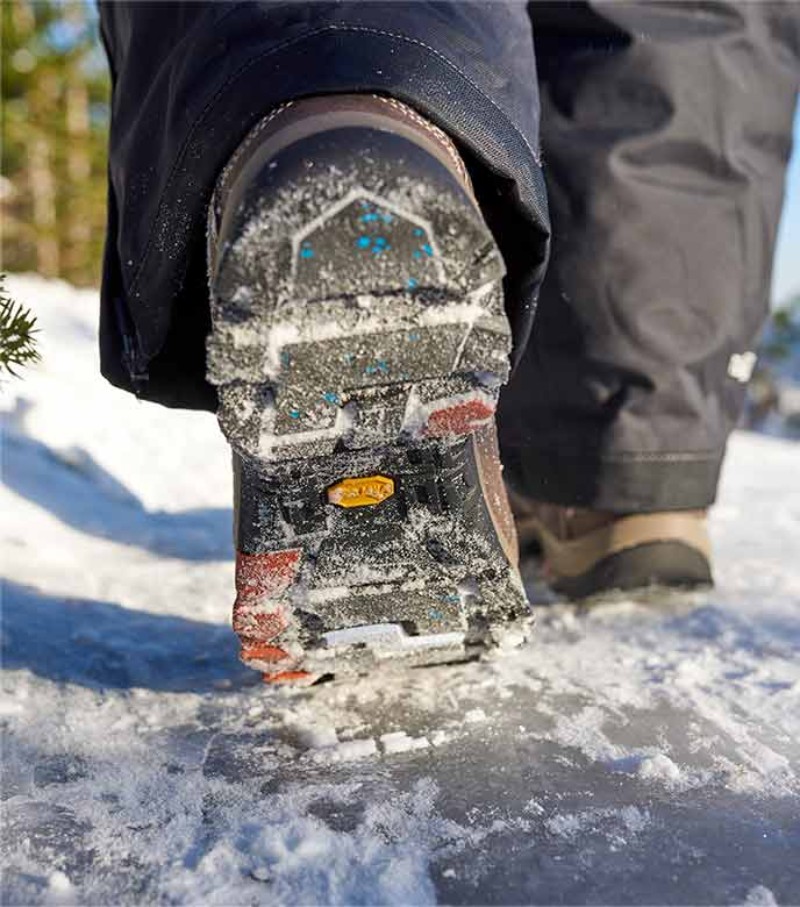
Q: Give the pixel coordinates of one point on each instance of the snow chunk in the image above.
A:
(8, 707)
(564, 826)
(651, 766)
(474, 716)
(760, 896)
(400, 742)
(659, 767)
(347, 751)
(60, 889)
(317, 737)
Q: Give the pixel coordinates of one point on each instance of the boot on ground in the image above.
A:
(587, 553)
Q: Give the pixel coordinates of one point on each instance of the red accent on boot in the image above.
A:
(460, 419)
(259, 578)
(266, 574)
(255, 651)
(290, 677)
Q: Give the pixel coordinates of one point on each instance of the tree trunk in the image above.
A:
(41, 181)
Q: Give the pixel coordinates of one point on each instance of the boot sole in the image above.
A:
(359, 342)
(651, 572)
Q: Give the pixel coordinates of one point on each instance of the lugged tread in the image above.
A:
(359, 331)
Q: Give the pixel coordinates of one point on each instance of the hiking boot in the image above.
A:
(358, 345)
(588, 553)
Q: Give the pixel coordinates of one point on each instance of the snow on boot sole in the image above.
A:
(359, 343)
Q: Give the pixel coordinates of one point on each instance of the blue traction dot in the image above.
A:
(379, 366)
(331, 397)
(416, 253)
(412, 283)
(363, 242)
(306, 253)
(419, 232)
(295, 413)
(427, 249)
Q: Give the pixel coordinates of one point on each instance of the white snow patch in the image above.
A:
(629, 820)
(474, 716)
(347, 751)
(760, 896)
(60, 889)
(566, 826)
(318, 737)
(400, 742)
(658, 767)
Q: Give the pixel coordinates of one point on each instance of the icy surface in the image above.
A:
(630, 754)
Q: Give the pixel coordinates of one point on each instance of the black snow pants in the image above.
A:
(662, 131)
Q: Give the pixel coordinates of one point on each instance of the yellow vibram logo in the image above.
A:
(363, 492)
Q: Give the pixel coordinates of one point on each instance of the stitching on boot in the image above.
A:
(438, 134)
(224, 177)
(442, 138)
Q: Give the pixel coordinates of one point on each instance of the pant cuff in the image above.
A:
(632, 483)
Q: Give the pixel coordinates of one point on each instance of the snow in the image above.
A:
(638, 752)
(400, 742)
(759, 895)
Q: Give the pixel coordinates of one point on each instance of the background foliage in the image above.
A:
(55, 114)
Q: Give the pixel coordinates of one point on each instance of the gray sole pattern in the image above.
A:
(359, 336)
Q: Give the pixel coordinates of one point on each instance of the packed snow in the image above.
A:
(639, 752)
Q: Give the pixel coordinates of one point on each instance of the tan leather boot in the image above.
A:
(589, 552)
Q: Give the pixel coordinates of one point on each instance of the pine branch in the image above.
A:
(17, 334)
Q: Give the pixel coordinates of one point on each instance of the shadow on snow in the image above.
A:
(81, 493)
(103, 645)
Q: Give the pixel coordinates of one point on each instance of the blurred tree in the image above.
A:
(55, 91)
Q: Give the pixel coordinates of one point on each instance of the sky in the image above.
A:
(786, 276)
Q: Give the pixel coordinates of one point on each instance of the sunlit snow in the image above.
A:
(638, 752)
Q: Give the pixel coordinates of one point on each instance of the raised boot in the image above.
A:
(359, 343)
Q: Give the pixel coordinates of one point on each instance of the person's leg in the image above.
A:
(358, 334)
(666, 129)
(190, 79)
